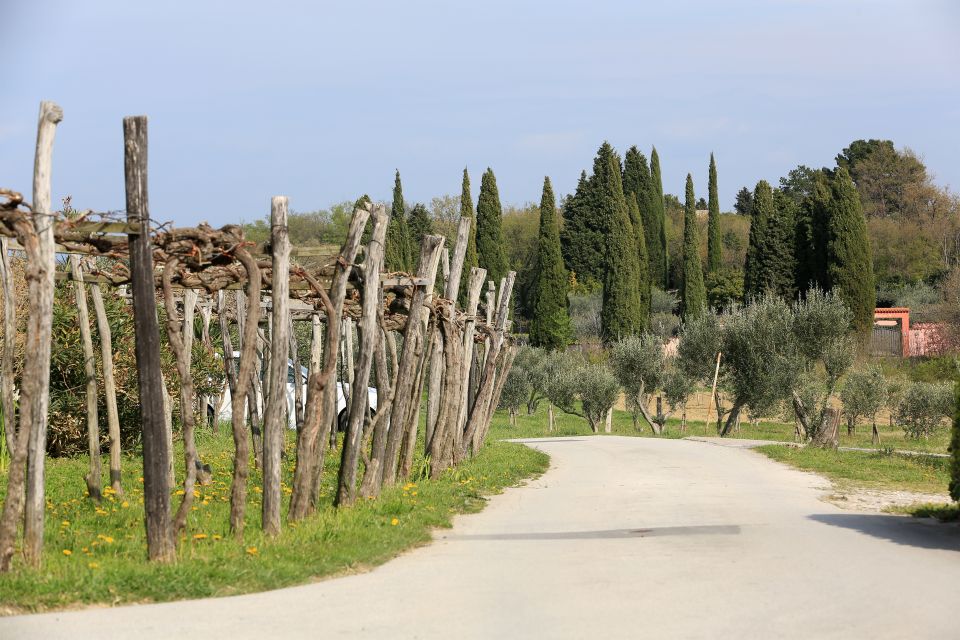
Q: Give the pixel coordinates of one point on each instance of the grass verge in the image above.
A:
(872, 470)
(96, 553)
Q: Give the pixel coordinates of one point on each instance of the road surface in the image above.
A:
(621, 538)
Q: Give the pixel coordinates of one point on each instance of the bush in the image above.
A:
(923, 406)
(863, 394)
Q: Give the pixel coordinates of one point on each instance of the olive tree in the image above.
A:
(923, 406)
(863, 394)
(516, 390)
(701, 339)
(533, 361)
(677, 389)
(581, 389)
(637, 364)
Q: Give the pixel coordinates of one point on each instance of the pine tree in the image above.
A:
(850, 265)
(397, 253)
(419, 225)
(470, 260)
(550, 321)
(659, 260)
(753, 285)
(491, 254)
(693, 294)
(643, 260)
(582, 238)
(714, 249)
(744, 203)
(620, 313)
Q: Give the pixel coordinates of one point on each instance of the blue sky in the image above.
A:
(321, 101)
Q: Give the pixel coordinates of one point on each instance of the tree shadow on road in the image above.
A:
(915, 532)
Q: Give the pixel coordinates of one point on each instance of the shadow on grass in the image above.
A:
(912, 532)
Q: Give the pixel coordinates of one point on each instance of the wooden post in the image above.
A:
(405, 401)
(608, 424)
(156, 488)
(713, 393)
(474, 288)
(109, 386)
(274, 423)
(297, 376)
(90, 372)
(358, 407)
(321, 388)
(316, 342)
(9, 346)
(34, 392)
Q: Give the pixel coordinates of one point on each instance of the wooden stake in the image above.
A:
(109, 386)
(90, 372)
(156, 487)
(274, 423)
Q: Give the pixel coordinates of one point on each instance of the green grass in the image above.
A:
(942, 512)
(535, 426)
(872, 470)
(106, 544)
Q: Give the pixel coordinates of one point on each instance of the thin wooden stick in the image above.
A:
(109, 386)
(93, 480)
(713, 393)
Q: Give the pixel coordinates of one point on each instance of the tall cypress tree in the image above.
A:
(419, 224)
(620, 313)
(397, 248)
(753, 284)
(693, 294)
(714, 249)
(643, 260)
(490, 250)
(550, 321)
(659, 260)
(582, 237)
(779, 265)
(813, 235)
(848, 251)
(470, 259)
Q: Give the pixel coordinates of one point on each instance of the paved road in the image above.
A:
(622, 538)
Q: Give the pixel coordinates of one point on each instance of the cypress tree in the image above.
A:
(419, 225)
(582, 235)
(779, 265)
(753, 285)
(643, 260)
(812, 236)
(470, 260)
(397, 248)
(637, 180)
(620, 314)
(693, 294)
(490, 250)
(848, 252)
(659, 260)
(550, 321)
(714, 250)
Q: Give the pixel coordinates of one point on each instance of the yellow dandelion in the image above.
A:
(65, 523)
(217, 536)
(252, 551)
(85, 550)
(413, 493)
(124, 504)
(395, 522)
(196, 494)
(178, 492)
(199, 536)
(140, 480)
(107, 539)
(67, 552)
(93, 565)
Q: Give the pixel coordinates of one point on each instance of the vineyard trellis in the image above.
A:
(410, 340)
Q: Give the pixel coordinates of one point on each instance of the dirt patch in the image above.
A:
(880, 500)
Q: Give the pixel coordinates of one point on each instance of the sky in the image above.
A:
(322, 101)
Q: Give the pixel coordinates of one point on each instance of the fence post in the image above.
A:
(156, 487)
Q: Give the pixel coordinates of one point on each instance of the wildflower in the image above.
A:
(199, 536)
(93, 565)
(107, 539)
(140, 480)
(124, 504)
(67, 552)
(196, 494)
(178, 492)
(394, 522)
(217, 536)
(252, 551)
(413, 493)
(65, 523)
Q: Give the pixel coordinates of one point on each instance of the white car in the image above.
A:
(225, 410)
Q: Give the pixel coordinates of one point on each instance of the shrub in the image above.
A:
(923, 406)
(863, 395)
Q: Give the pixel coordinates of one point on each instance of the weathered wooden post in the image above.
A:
(358, 407)
(474, 288)
(90, 372)
(156, 488)
(9, 346)
(109, 386)
(274, 423)
(34, 392)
